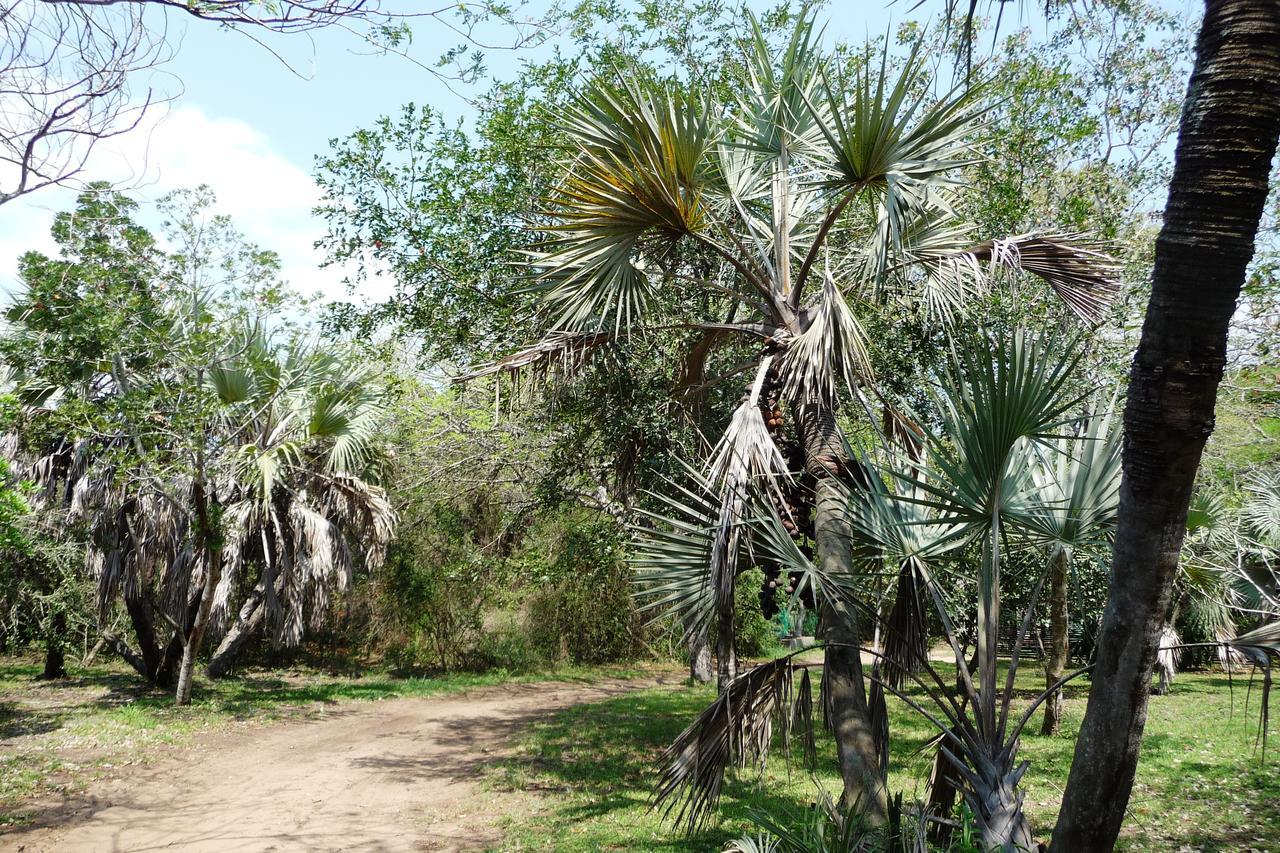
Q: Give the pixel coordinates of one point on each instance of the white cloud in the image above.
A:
(269, 198)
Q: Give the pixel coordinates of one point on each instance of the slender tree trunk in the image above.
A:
(1055, 664)
(726, 647)
(211, 545)
(1227, 139)
(248, 622)
(55, 659)
(848, 712)
(213, 572)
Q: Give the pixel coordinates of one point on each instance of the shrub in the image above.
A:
(585, 613)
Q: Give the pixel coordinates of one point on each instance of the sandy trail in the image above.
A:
(392, 775)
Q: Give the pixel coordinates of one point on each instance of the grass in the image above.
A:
(58, 737)
(589, 770)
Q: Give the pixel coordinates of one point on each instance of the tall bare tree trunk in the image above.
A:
(849, 714)
(211, 546)
(1230, 124)
(1055, 664)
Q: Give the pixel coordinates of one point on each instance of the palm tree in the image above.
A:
(274, 482)
(298, 498)
(1002, 404)
(1079, 483)
(813, 192)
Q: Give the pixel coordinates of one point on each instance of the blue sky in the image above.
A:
(250, 125)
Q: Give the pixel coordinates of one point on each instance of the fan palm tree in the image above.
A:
(1078, 479)
(278, 486)
(815, 191)
(1002, 403)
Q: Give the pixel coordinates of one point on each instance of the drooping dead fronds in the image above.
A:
(561, 352)
(733, 731)
(1167, 657)
(830, 353)
(1077, 268)
(746, 455)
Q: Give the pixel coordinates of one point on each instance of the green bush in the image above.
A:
(757, 637)
(432, 597)
(585, 614)
(508, 647)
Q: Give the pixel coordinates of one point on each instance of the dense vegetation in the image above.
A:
(707, 336)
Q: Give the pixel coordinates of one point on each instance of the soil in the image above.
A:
(392, 775)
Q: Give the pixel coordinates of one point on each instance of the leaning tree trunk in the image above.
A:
(848, 713)
(1055, 664)
(1227, 139)
(248, 622)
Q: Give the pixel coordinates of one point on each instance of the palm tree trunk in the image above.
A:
(848, 713)
(700, 658)
(1055, 664)
(148, 658)
(726, 648)
(1230, 124)
(248, 621)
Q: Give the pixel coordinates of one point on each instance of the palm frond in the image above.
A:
(831, 352)
(640, 164)
(736, 729)
(1076, 267)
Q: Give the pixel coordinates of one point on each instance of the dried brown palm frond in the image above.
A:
(745, 455)
(1167, 657)
(735, 730)
(561, 352)
(906, 638)
(1075, 266)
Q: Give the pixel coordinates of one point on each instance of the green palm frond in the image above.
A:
(773, 108)
(671, 556)
(1261, 510)
(1077, 484)
(637, 182)
(997, 399)
(885, 135)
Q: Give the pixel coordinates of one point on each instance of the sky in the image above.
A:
(248, 119)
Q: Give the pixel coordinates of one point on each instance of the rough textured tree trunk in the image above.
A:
(1055, 664)
(1226, 142)
(248, 623)
(148, 657)
(848, 712)
(55, 658)
(700, 658)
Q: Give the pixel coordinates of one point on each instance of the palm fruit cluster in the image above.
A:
(790, 500)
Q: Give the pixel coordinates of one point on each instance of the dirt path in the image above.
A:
(392, 775)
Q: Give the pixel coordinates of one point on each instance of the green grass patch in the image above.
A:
(589, 772)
